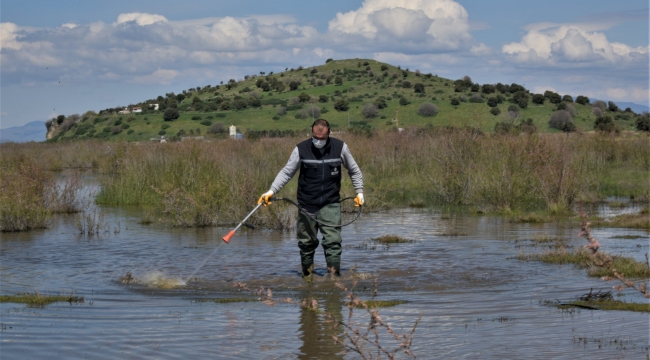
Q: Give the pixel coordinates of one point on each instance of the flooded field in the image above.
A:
(460, 277)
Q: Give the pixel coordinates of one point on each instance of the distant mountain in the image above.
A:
(637, 108)
(32, 131)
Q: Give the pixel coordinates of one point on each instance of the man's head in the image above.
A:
(320, 129)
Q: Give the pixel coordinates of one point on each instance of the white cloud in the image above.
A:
(420, 25)
(634, 94)
(9, 36)
(141, 19)
(69, 25)
(552, 44)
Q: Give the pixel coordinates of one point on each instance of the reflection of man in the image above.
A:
(317, 331)
(319, 160)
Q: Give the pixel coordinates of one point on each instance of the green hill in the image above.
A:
(283, 103)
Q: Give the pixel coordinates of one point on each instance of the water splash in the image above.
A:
(158, 280)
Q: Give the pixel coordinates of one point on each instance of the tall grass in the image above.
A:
(218, 182)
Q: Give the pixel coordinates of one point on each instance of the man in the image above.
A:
(319, 160)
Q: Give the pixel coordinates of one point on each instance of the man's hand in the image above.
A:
(358, 201)
(265, 198)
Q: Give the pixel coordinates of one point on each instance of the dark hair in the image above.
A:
(323, 123)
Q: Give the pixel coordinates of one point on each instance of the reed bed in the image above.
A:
(199, 183)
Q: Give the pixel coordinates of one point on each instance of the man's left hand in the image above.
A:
(358, 201)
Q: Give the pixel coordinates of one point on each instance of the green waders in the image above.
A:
(308, 237)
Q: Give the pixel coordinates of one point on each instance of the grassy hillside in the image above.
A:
(361, 82)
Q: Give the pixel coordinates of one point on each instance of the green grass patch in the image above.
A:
(640, 220)
(384, 303)
(583, 259)
(631, 237)
(228, 300)
(608, 305)
(392, 239)
(38, 300)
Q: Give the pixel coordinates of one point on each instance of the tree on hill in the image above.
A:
(643, 122)
(538, 99)
(304, 97)
(171, 114)
(380, 102)
(612, 106)
(341, 105)
(488, 89)
(427, 109)
(567, 98)
(521, 98)
(562, 120)
(605, 124)
(582, 100)
(418, 88)
(553, 97)
(293, 85)
(370, 111)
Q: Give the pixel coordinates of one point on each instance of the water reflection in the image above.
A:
(317, 330)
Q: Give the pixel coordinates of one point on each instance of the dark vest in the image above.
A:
(319, 182)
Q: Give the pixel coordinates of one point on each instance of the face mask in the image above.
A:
(318, 143)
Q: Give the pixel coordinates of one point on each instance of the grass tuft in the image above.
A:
(38, 300)
(392, 239)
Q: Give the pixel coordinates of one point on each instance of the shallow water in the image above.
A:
(475, 299)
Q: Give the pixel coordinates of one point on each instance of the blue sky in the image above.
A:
(66, 57)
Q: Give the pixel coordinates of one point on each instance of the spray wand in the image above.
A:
(243, 222)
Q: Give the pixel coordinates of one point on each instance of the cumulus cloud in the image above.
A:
(412, 25)
(141, 19)
(552, 44)
(160, 76)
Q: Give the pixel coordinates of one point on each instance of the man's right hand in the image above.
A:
(265, 198)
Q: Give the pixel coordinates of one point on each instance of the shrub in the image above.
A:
(338, 80)
(125, 126)
(476, 98)
(217, 128)
(240, 104)
(131, 131)
(206, 122)
(302, 114)
(196, 117)
(328, 60)
(562, 120)
(171, 114)
(561, 106)
(521, 98)
(538, 99)
(495, 111)
(597, 111)
(282, 110)
(488, 89)
(643, 122)
(380, 102)
(475, 87)
(162, 132)
(225, 105)
(116, 130)
(164, 126)
(527, 126)
(600, 104)
(612, 106)
(553, 97)
(418, 88)
(493, 101)
(313, 111)
(427, 109)
(370, 111)
(567, 98)
(503, 128)
(455, 101)
(404, 101)
(582, 100)
(341, 105)
(605, 124)
(406, 84)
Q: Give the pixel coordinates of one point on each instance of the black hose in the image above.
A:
(318, 221)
